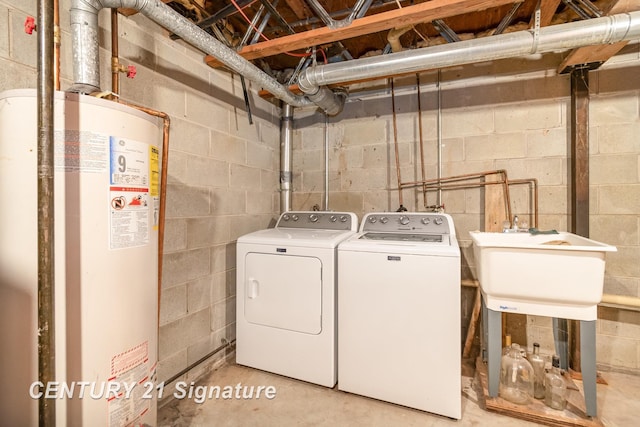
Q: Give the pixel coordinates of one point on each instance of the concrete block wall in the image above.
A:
(501, 115)
(222, 172)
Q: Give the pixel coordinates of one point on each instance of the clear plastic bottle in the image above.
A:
(555, 395)
(537, 362)
(516, 377)
(507, 344)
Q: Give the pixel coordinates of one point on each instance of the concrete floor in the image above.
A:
(297, 403)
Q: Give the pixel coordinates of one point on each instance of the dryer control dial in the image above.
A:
(343, 218)
(313, 218)
(295, 217)
(404, 220)
(286, 217)
(384, 220)
(373, 219)
(438, 221)
(333, 218)
(425, 221)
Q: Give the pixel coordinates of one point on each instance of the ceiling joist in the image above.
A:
(411, 15)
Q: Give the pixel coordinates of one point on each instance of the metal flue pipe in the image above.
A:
(286, 160)
(605, 30)
(86, 66)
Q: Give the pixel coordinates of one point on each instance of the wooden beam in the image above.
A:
(411, 15)
(547, 10)
(599, 53)
(580, 152)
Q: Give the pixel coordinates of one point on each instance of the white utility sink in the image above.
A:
(558, 275)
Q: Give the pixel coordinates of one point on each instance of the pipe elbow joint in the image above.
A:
(307, 84)
(332, 102)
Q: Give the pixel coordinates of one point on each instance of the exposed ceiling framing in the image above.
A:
(282, 37)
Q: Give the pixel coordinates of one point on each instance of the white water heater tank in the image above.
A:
(107, 198)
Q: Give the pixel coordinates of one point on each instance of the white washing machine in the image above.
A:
(286, 295)
(399, 312)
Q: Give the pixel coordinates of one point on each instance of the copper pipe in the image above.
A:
(532, 181)
(115, 72)
(395, 142)
(115, 89)
(457, 177)
(163, 183)
(437, 184)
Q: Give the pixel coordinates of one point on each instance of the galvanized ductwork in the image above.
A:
(86, 66)
(605, 30)
(313, 81)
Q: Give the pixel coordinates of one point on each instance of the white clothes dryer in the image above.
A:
(399, 312)
(286, 295)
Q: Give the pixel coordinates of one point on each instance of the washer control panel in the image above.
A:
(416, 222)
(318, 220)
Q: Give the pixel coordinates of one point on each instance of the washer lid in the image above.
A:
(297, 237)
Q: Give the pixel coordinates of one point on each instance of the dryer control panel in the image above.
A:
(415, 222)
(320, 220)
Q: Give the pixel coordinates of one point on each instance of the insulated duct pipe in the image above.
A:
(286, 164)
(605, 30)
(86, 66)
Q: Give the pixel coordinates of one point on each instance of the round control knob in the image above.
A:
(404, 220)
(295, 217)
(373, 219)
(333, 218)
(286, 217)
(384, 220)
(343, 218)
(438, 221)
(313, 218)
(425, 221)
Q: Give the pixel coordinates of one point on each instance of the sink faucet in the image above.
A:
(508, 228)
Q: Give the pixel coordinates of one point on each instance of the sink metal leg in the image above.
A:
(561, 340)
(485, 328)
(494, 349)
(588, 365)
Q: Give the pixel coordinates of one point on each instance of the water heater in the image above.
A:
(106, 213)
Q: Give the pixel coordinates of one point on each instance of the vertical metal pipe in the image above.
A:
(424, 187)
(46, 270)
(439, 89)
(286, 136)
(395, 143)
(326, 162)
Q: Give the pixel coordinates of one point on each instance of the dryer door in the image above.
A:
(283, 291)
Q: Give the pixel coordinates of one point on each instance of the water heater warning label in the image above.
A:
(130, 211)
(80, 151)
